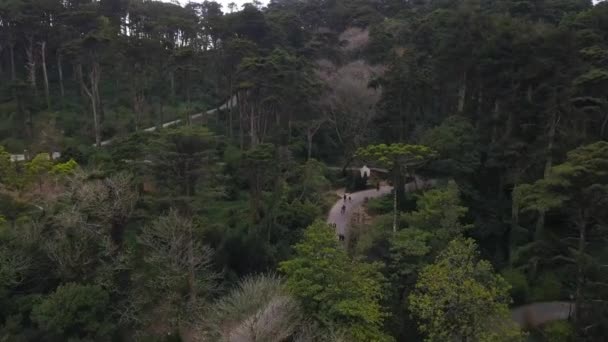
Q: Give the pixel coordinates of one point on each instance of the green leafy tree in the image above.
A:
(275, 88)
(75, 310)
(460, 298)
(183, 160)
(407, 248)
(457, 146)
(39, 167)
(400, 160)
(336, 291)
(312, 182)
(8, 174)
(63, 169)
(260, 167)
(578, 188)
(439, 212)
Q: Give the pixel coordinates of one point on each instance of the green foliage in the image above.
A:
(496, 93)
(579, 181)
(559, 331)
(334, 290)
(396, 156)
(578, 189)
(39, 167)
(183, 159)
(439, 211)
(460, 297)
(547, 287)
(379, 206)
(457, 145)
(400, 160)
(373, 237)
(519, 285)
(7, 169)
(74, 310)
(260, 168)
(66, 168)
(408, 247)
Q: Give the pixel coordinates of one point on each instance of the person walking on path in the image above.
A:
(343, 209)
(344, 197)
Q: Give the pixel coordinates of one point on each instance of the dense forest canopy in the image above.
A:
(167, 171)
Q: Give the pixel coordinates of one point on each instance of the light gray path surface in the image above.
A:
(538, 314)
(342, 221)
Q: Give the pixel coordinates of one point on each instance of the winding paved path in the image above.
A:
(229, 103)
(342, 221)
(357, 199)
(530, 315)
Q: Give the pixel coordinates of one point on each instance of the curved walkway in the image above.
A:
(530, 315)
(357, 199)
(538, 314)
(228, 104)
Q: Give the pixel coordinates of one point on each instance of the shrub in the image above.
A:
(519, 285)
(74, 309)
(379, 206)
(546, 288)
(559, 331)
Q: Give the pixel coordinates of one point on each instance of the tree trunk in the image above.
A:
(191, 268)
(138, 105)
(495, 117)
(462, 93)
(100, 111)
(241, 130)
(395, 186)
(540, 221)
(172, 83)
(402, 119)
(289, 127)
(159, 123)
(31, 65)
(44, 74)
(479, 102)
(230, 105)
(188, 105)
(95, 122)
(580, 260)
(60, 71)
(80, 78)
(252, 127)
(11, 51)
(93, 97)
(309, 136)
(603, 127)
